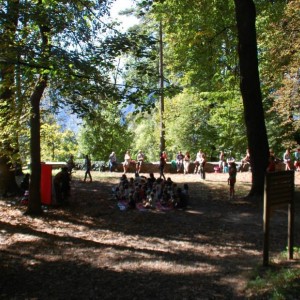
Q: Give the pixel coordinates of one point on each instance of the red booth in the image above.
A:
(46, 184)
(46, 180)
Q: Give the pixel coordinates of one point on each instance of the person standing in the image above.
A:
(287, 159)
(272, 161)
(139, 161)
(232, 179)
(221, 160)
(164, 153)
(271, 164)
(112, 161)
(162, 163)
(297, 160)
(186, 162)
(179, 161)
(245, 160)
(197, 162)
(202, 166)
(25, 183)
(61, 183)
(127, 161)
(88, 167)
(70, 164)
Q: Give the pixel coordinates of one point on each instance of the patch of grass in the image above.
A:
(296, 253)
(277, 282)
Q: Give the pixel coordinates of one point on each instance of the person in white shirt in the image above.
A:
(127, 161)
(139, 161)
(112, 161)
(197, 161)
(287, 159)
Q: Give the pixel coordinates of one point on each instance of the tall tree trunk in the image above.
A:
(34, 205)
(8, 142)
(251, 93)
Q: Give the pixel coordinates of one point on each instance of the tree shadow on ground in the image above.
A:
(90, 249)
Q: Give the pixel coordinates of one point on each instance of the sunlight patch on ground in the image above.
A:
(120, 252)
(194, 212)
(165, 267)
(22, 237)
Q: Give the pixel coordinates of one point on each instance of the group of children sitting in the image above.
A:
(151, 192)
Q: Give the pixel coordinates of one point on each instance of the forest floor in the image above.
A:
(91, 249)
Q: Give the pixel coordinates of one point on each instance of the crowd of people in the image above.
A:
(183, 162)
(161, 190)
(150, 192)
(224, 163)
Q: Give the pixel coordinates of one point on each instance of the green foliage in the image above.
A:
(145, 135)
(200, 53)
(70, 46)
(199, 44)
(57, 145)
(205, 121)
(57, 142)
(82, 49)
(201, 75)
(105, 132)
(279, 40)
(201, 41)
(187, 125)
(141, 72)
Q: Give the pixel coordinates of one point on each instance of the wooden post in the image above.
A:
(291, 230)
(266, 228)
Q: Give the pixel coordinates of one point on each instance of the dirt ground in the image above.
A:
(91, 249)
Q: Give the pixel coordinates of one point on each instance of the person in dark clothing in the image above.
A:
(182, 199)
(88, 167)
(70, 164)
(202, 166)
(162, 163)
(61, 184)
(179, 161)
(25, 183)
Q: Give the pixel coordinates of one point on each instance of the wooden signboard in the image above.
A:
(279, 192)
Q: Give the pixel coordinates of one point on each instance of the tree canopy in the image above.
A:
(72, 56)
